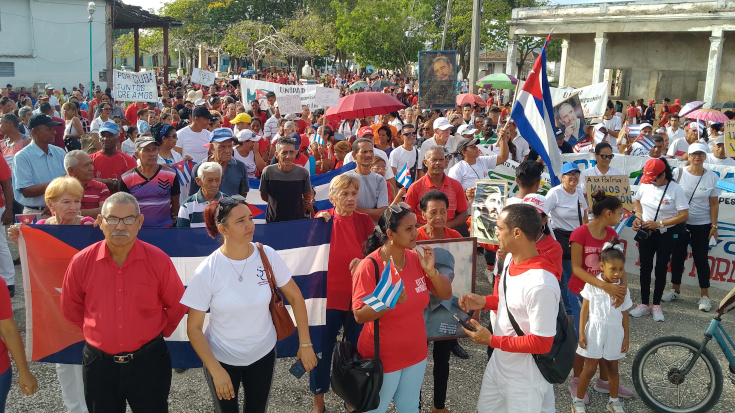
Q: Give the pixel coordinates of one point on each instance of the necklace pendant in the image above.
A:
(240, 278)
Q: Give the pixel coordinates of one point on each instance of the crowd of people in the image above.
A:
(79, 159)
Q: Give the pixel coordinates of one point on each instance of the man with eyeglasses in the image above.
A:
(109, 162)
(155, 186)
(286, 187)
(124, 295)
(407, 154)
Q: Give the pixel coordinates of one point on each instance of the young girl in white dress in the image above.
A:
(603, 328)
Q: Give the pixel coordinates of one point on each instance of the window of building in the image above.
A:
(7, 69)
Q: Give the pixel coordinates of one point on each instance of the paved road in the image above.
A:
(289, 395)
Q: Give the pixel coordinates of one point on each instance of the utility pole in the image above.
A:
(446, 22)
(475, 44)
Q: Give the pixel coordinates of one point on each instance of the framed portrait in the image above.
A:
(490, 195)
(569, 118)
(455, 259)
(438, 79)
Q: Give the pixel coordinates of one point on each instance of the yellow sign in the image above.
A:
(730, 138)
(615, 185)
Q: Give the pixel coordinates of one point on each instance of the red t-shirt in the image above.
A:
(448, 233)
(5, 174)
(591, 249)
(59, 138)
(350, 234)
(632, 112)
(111, 167)
(6, 312)
(402, 329)
(94, 193)
(451, 188)
(131, 113)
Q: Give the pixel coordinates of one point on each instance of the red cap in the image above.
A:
(651, 102)
(365, 130)
(652, 169)
(304, 141)
(677, 101)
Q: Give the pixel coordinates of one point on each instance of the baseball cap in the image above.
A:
(241, 117)
(270, 95)
(111, 127)
(296, 138)
(221, 135)
(144, 141)
(442, 123)
(201, 112)
(443, 261)
(247, 135)
(692, 126)
(42, 119)
(651, 102)
(200, 102)
(466, 130)
(569, 167)
(646, 125)
(48, 87)
(464, 143)
(652, 169)
(537, 201)
(365, 130)
(339, 137)
(213, 98)
(697, 147)
(719, 139)
(677, 101)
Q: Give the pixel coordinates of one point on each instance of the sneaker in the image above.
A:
(602, 386)
(658, 315)
(705, 304)
(615, 406)
(640, 311)
(670, 295)
(578, 406)
(573, 390)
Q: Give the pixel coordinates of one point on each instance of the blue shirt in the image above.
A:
(234, 180)
(32, 167)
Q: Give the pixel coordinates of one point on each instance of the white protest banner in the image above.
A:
(202, 77)
(257, 89)
(134, 86)
(593, 98)
(326, 97)
(289, 104)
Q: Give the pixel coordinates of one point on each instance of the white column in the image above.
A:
(713, 67)
(511, 65)
(598, 65)
(563, 63)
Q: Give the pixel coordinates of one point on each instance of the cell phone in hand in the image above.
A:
(464, 320)
(297, 369)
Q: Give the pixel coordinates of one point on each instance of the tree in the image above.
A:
(257, 41)
(150, 42)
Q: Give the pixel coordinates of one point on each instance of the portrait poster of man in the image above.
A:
(454, 259)
(570, 119)
(437, 79)
(489, 200)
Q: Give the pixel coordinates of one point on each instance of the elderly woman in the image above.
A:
(209, 177)
(239, 346)
(350, 230)
(64, 199)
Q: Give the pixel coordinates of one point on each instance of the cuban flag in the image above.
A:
(26, 218)
(404, 176)
(645, 141)
(51, 338)
(183, 171)
(387, 291)
(318, 139)
(534, 116)
(632, 130)
(599, 136)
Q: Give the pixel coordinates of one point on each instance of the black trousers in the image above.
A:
(698, 237)
(144, 382)
(442, 352)
(256, 382)
(660, 245)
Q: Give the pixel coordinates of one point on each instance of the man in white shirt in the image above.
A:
(367, 132)
(717, 156)
(473, 166)
(639, 148)
(193, 137)
(407, 154)
(612, 123)
(270, 129)
(373, 197)
(678, 148)
(673, 129)
(52, 99)
(442, 137)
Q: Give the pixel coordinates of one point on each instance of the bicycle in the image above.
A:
(679, 375)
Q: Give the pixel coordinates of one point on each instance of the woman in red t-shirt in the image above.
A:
(350, 230)
(403, 348)
(586, 245)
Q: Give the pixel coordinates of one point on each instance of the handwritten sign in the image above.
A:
(326, 97)
(134, 86)
(289, 104)
(730, 138)
(615, 185)
(202, 77)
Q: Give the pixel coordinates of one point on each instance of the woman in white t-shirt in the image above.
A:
(567, 210)
(702, 194)
(659, 205)
(603, 156)
(239, 343)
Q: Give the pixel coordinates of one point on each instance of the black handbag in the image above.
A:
(558, 362)
(354, 379)
(643, 233)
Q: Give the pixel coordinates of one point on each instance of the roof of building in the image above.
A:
(125, 16)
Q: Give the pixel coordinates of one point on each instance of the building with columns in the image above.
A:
(645, 49)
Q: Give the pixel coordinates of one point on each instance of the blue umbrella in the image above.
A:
(250, 72)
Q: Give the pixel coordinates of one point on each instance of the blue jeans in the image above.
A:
(319, 376)
(566, 274)
(576, 303)
(6, 379)
(403, 387)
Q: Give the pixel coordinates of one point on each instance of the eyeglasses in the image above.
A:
(573, 174)
(378, 168)
(394, 209)
(698, 154)
(127, 220)
(228, 201)
(608, 157)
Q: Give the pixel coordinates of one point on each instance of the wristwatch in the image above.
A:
(662, 223)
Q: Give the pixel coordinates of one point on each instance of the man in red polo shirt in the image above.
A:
(110, 163)
(80, 165)
(435, 178)
(131, 113)
(124, 294)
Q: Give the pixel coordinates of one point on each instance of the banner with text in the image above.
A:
(202, 77)
(593, 98)
(134, 86)
(257, 89)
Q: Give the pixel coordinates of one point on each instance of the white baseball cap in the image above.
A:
(442, 123)
(537, 201)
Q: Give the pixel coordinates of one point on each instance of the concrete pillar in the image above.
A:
(598, 65)
(563, 65)
(203, 58)
(511, 65)
(713, 67)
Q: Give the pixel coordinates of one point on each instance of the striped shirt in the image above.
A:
(94, 193)
(191, 213)
(154, 195)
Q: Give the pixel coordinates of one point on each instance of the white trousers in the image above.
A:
(72, 387)
(499, 396)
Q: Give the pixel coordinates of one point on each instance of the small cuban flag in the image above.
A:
(27, 219)
(599, 136)
(632, 130)
(387, 291)
(318, 139)
(645, 141)
(183, 171)
(404, 176)
(623, 221)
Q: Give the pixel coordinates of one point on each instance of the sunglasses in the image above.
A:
(608, 157)
(394, 209)
(229, 201)
(410, 135)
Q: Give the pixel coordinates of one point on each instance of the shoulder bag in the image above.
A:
(643, 233)
(557, 363)
(354, 379)
(563, 236)
(281, 318)
(681, 227)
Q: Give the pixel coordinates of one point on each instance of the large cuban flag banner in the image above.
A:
(46, 251)
(534, 116)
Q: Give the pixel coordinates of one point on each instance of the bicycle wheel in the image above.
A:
(661, 386)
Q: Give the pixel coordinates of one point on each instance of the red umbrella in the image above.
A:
(331, 112)
(709, 115)
(470, 98)
(364, 104)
